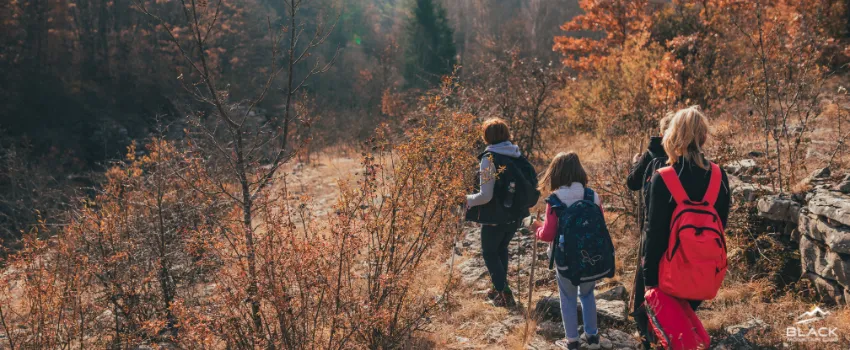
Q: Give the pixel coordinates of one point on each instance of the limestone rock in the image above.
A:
(746, 192)
(823, 262)
(551, 329)
(829, 290)
(612, 310)
(844, 185)
(743, 166)
(820, 174)
(834, 235)
(498, 331)
(779, 208)
(549, 309)
(744, 328)
(616, 293)
(735, 342)
(472, 270)
(539, 343)
(620, 339)
(831, 205)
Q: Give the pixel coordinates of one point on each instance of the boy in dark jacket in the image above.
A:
(644, 167)
(487, 208)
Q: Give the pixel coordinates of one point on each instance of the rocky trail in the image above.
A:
(546, 326)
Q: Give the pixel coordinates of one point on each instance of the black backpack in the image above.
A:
(514, 192)
(582, 249)
(517, 184)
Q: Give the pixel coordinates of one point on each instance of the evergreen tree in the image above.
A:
(430, 52)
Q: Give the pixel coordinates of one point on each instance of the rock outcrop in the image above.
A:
(779, 208)
(824, 227)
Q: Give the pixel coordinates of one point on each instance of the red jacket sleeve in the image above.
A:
(547, 232)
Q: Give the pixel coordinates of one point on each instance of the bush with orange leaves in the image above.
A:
(154, 259)
(404, 213)
(112, 275)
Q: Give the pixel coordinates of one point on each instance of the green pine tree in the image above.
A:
(430, 51)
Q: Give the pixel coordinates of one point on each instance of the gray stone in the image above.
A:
(831, 205)
(612, 310)
(820, 174)
(844, 185)
(551, 329)
(778, 208)
(735, 342)
(620, 339)
(755, 324)
(549, 309)
(744, 191)
(827, 289)
(834, 235)
(472, 270)
(820, 260)
(743, 166)
(496, 332)
(539, 343)
(472, 239)
(616, 293)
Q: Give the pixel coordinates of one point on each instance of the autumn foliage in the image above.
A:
(155, 259)
(197, 241)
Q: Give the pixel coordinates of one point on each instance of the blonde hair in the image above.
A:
(686, 135)
(562, 171)
(664, 123)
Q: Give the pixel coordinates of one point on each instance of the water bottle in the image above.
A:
(561, 245)
(509, 201)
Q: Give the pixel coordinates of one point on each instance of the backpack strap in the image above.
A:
(554, 201)
(671, 179)
(713, 185)
(589, 195)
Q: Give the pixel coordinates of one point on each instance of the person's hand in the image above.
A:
(636, 158)
(536, 225)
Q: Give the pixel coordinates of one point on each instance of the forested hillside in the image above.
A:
(288, 174)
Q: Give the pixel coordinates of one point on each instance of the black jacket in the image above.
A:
(641, 170)
(661, 206)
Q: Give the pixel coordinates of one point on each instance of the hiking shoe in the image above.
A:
(565, 344)
(492, 293)
(504, 299)
(592, 341)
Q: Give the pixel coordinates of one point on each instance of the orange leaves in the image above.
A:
(617, 19)
(664, 79)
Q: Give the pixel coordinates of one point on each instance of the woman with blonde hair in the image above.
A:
(684, 142)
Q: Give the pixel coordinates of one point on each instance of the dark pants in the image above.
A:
(494, 248)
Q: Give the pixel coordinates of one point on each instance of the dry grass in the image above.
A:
(464, 324)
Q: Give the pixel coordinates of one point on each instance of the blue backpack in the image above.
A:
(582, 250)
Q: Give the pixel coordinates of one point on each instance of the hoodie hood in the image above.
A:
(655, 147)
(570, 194)
(505, 148)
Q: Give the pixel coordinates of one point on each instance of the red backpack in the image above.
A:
(694, 265)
